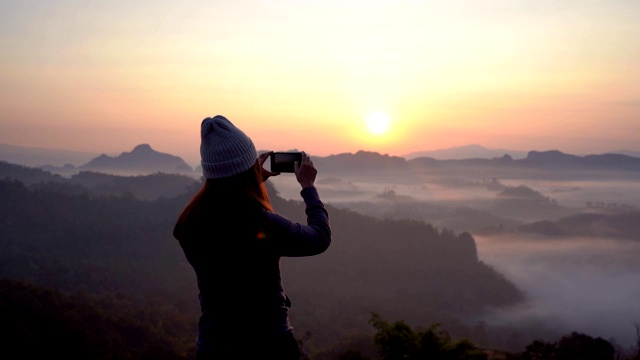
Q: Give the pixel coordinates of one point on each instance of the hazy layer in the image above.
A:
(591, 285)
(585, 285)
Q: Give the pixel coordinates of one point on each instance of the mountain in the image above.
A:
(472, 151)
(28, 175)
(362, 162)
(537, 165)
(30, 156)
(626, 152)
(398, 268)
(142, 159)
(143, 187)
(453, 161)
(551, 164)
(557, 159)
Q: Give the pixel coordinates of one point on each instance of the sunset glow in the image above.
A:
(106, 76)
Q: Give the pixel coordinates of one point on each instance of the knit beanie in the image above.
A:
(224, 149)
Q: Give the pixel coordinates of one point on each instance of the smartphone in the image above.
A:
(283, 161)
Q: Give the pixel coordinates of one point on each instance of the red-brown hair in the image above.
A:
(242, 193)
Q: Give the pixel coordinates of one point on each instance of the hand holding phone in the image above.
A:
(305, 171)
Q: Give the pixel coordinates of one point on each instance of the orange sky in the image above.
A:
(525, 75)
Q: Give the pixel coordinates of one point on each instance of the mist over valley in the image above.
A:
(567, 233)
(501, 250)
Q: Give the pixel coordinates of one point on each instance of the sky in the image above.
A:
(105, 76)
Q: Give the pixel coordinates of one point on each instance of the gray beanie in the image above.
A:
(224, 149)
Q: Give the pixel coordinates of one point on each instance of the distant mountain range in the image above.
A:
(475, 151)
(472, 151)
(558, 162)
(30, 156)
(626, 152)
(555, 159)
(143, 159)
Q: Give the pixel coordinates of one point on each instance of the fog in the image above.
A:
(456, 190)
(574, 193)
(585, 284)
(339, 190)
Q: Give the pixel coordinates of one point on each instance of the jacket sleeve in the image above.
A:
(295, 239)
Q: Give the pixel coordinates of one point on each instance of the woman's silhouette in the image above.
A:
(234, 240)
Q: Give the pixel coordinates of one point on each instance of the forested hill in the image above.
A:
(121, 244)
(43, 323)
(144, 187)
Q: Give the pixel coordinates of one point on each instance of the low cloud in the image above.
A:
(585, 285)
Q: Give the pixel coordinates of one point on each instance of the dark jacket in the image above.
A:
(237, 265)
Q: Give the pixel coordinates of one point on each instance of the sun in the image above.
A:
(378, 123)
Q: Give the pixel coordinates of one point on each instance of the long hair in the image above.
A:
(243, 194)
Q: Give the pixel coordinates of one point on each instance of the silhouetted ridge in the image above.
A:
(143, 187)
(550, 157)
(556, 158)
(471, 151)
(142, 148)
(558, 163)
(27, 175)
(362, 161)
(141, 159)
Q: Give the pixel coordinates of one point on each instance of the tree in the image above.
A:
(575, 346)
(398, 341)
(539, 350)
(395, 341)
(578, 346)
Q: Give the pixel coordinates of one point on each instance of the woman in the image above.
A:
(234, 241)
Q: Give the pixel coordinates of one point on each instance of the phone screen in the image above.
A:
(283, 161)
